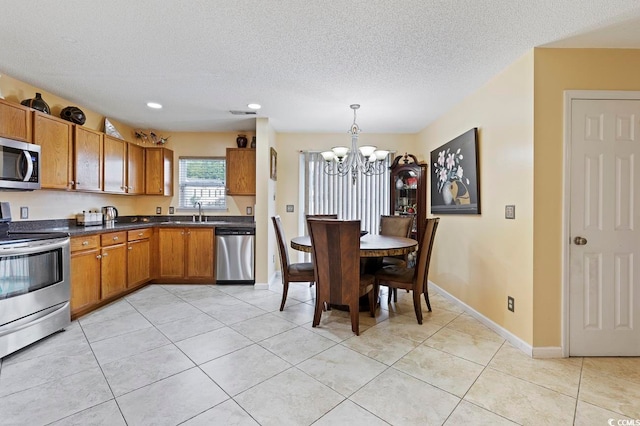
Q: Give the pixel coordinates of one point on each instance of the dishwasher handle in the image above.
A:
(235, 231)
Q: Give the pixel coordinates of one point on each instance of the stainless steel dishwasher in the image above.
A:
(235, 253)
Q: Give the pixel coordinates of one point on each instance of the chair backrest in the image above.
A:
(396, 226)
(336, 257)
(424, 252)
(282, 247)
(319, 216)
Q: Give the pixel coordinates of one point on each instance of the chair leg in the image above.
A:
(417, 307)
(372, 303)
(395, 295)
(426, 298)
(354, 310)
(285, 290)
(317, 312)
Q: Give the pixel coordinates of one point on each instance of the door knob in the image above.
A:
(580, 241)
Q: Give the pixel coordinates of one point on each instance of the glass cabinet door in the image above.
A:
(407, 190)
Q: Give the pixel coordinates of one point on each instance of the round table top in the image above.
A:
(370, 245)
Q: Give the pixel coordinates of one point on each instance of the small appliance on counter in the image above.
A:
(89, 219)
(109, 214)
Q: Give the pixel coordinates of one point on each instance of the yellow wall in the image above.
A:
(51, 204)
(482, 259)
(289, 146)
(557, 70)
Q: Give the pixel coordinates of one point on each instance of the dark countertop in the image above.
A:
(131, 222)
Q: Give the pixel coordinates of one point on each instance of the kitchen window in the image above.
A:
(202, 179)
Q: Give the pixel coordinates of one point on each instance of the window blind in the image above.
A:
(366, 200)
(202, 180)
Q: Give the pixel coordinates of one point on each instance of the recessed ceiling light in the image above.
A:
(154, 105)
(254, 106)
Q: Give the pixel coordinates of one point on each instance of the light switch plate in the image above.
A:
(158, 210)
(24, 212)
(249, 211)
(289, 208)
(171, 210)
(510, 212)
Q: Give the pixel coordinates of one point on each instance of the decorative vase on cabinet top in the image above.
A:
(241, 140)
(37, 103)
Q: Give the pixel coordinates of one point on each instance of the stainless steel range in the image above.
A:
(34, 285)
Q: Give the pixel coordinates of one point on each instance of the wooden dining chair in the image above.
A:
(291, 272)
(416, 278)
(396, 226)
(319, 216)
(336, 258)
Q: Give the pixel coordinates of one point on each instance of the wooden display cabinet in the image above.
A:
(408, 190)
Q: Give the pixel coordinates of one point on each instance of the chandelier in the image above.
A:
(367, 159)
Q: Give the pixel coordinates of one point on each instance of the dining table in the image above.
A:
(371, 245)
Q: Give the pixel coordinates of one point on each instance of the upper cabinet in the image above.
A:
(15, 121)
(135, 169)
(55, 137)
(241, 171)
(158, 171)
(115, 160)
(88, 158)
(408, 190)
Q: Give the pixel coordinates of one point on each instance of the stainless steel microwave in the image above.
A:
(19, 165)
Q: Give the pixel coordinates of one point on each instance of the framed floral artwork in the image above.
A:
(274, 164)
(455, 186)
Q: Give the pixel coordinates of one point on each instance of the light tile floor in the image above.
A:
(225, 355)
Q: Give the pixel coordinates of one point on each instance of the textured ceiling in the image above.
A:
(405, 61)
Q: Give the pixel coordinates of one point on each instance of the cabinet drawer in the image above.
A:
(139, 234)
(113, 238)
(85, 243)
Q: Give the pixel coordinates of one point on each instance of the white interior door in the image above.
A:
(604, 300)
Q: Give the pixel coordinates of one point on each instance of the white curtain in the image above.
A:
(366, 200)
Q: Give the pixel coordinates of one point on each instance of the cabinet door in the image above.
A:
(85, 279)
(55, 138)
(113, 270)
(88, 148)
(241, 171)
(199, 258)
(172, 252)
(135, 169)
(138, 264)
(114, 165)
(158, 171)
(15, 121)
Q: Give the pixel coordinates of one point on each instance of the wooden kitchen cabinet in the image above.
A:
(55, 137)
(15, 121)
(186, 254)
(241, 171)
(113, 269)
(139, 256)
(199, 260)
(158, 171)
(114, 163)
(85, 273)
(135, 169)
(88, 159)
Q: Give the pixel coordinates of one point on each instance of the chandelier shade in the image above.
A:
(367, 160)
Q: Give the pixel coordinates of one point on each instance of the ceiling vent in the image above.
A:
(235, 112)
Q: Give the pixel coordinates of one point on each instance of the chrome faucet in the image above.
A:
(199, 204)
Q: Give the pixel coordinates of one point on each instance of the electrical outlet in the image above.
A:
(158, 210)
(24, 212)
(171, 210)
(289, 208)
(249, 210)
(510, 212)
(510, 304)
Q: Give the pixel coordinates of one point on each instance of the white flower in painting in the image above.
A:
(459, 172)
(441, 158)
(448, 168)
(443, 174)
(451, 161)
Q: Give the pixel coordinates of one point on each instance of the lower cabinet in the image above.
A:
(186, 254)
(107, 265)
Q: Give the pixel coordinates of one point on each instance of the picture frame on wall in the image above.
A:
(273, 164)
(455, 186)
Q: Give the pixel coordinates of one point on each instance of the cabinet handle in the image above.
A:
(182, 233)
(98, 257)
(115, 238)
(78, 183)
(85, 243)
(140, 234)
(72, 183)
(130, 248)
(105, 254)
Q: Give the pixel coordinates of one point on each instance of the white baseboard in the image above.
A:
(543, 352)
(261, 286)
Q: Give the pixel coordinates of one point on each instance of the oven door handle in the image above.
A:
(26, 156)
